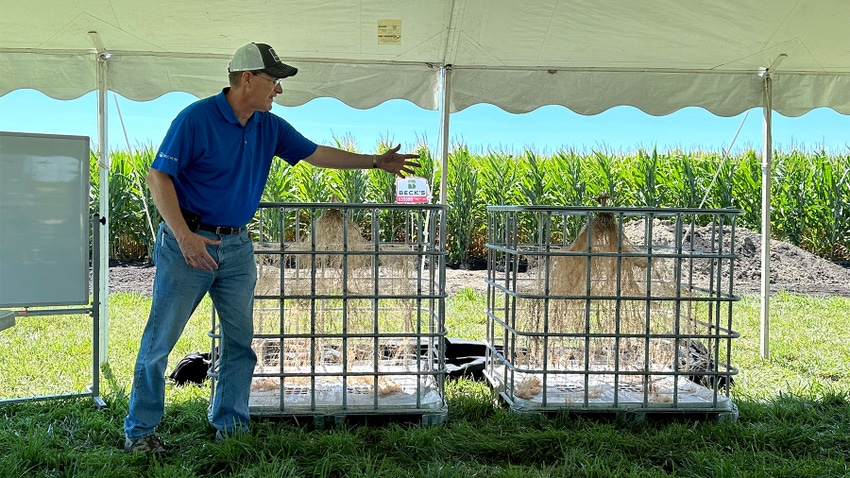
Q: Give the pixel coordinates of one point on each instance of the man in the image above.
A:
(207, 180)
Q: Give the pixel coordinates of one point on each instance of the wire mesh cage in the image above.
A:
(611, 309)
(349, 310)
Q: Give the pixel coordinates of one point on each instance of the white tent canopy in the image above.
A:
(658, 56)
(519, 55)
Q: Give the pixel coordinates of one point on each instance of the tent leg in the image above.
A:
(767, 159)
(103, 170)
(444, 133)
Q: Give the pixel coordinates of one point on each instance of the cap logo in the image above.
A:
(274, 55)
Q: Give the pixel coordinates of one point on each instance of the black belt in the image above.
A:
(221, 229)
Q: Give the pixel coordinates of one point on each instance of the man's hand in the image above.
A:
(398, 164)
(193, 246)
(194, 249)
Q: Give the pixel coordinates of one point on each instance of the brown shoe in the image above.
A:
(148, 444)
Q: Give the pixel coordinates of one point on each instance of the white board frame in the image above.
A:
(44, 219)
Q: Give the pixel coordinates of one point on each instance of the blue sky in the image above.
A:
(481, 127)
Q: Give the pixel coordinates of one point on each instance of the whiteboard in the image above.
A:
(44, 219)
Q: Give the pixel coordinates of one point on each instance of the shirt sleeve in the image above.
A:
(292, 146)
(177, 146)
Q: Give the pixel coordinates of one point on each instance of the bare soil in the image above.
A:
(792, 270)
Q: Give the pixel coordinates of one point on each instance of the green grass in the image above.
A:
(794, 413)
(809, 346)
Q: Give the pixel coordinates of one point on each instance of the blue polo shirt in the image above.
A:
(220, 167)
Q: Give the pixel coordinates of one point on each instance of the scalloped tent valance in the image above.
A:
(658, 56)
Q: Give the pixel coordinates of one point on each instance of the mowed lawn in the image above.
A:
(794, 415)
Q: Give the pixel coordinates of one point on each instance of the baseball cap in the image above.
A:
(260, 56)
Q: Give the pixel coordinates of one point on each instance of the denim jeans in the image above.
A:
(177, 290)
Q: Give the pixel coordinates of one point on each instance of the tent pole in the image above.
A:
(103, 170)
(447, 75)
(767, 158)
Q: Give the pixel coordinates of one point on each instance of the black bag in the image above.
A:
(191, 368)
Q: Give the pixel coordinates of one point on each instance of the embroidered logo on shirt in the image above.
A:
(165, 156)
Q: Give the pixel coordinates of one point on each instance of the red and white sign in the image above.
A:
(412, 189)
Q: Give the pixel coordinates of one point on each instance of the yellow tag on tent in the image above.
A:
(411, 190)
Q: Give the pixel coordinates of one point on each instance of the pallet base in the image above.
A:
(729, 414)
(568, 396)
(326, 420)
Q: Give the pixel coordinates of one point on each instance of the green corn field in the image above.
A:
(810, 191)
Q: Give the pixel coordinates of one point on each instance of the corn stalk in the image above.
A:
(645, 181)
(463, 218)
(829, 234)
(498, 178)
(746, 189)
(310, 184)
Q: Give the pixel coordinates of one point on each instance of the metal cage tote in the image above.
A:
(611, 309)
(349, 311)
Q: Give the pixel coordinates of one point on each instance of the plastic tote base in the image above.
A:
(324, 392)
(569, 393)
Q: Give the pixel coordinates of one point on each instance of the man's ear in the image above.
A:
(246, 77)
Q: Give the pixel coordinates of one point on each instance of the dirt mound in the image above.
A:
(791, 269)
